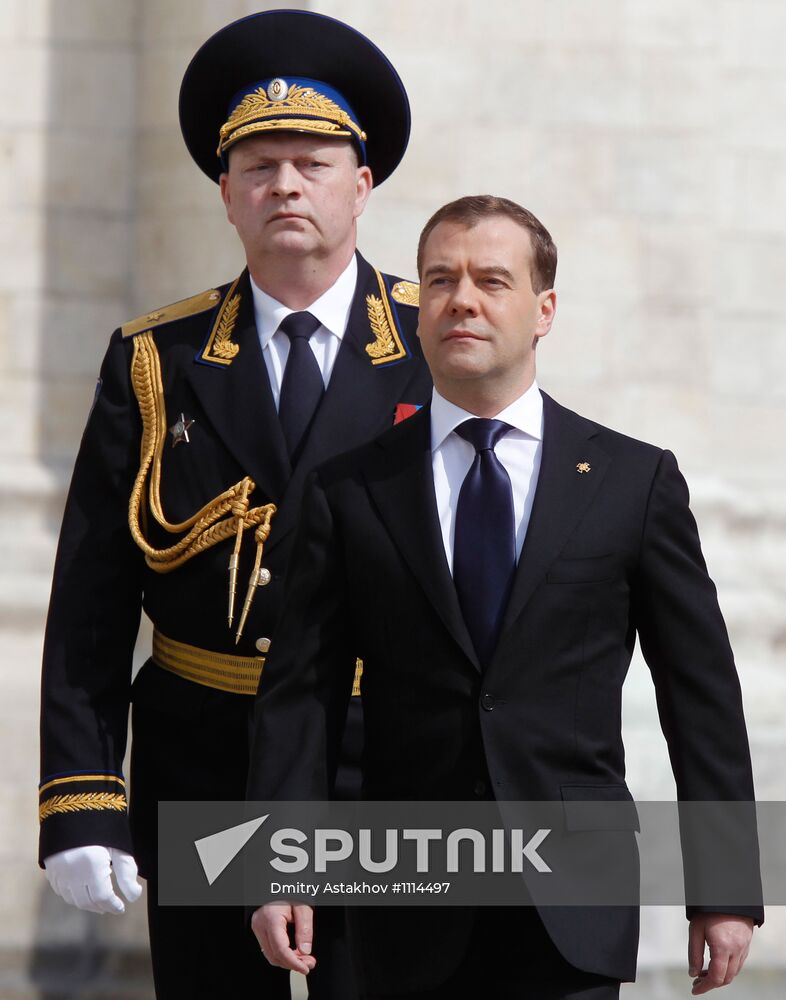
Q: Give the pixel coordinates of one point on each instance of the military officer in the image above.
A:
(208, 416)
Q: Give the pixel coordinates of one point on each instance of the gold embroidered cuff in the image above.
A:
(75, 793)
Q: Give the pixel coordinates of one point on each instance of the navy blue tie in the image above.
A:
(484, 547)
(302, 387)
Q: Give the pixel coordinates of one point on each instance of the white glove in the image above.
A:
(83, 877)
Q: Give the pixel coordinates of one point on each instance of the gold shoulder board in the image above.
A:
(178, 310)
(406, 292)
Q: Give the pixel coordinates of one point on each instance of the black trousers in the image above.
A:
(510, 956)
(210, 953)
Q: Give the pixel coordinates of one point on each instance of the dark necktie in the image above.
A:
(302, 386)
(484, 547)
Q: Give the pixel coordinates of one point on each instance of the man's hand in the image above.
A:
(82, 876)
(269, 924)
(729, 940)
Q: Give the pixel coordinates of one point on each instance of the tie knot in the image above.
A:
(299, 325)
(482, 433)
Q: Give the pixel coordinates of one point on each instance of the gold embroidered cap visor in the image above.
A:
(290, 105)
(335, 81)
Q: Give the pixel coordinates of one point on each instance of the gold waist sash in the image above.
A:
(223, 671)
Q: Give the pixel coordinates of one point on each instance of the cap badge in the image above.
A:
(277, 89)
(583, 467)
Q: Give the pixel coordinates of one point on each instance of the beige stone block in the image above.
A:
(679, 88)
(600, 258)
(749, 433)
(160, 73)
(387, 236)
(556, 169)
(665, 174)
(671, 24)
(93, 173)
(752, 33)
(677, 266)
(389, 24)
(24, 165)
(577, 348)
(193, 21)
(573, 22)
(666, 416)
(24, 78)
(18, 405)
(22, 242)
(102, 21)
(432, 169)
(749, 273)
(545, 85)
(21, 318)
(752, 191)
(100, 268)
(752, 108)
(167, 179)
(747, 352)
(91, 89)
(75, 333)
(656, 345)
(32, 19)
(10, 19)
(181, 256)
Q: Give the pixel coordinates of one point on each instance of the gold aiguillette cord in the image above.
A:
(257, 574)
(234, 559)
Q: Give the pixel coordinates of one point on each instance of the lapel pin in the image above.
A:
(179, 430)
(583, 467)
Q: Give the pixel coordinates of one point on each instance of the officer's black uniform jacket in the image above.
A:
(190, 741)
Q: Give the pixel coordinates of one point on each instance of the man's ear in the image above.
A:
(365, 182)
(223, 183)
(547, 311)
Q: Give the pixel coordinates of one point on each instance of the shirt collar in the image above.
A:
(331, 308)
(525, 414)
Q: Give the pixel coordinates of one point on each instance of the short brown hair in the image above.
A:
(473, 209)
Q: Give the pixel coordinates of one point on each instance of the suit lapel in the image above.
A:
(401, 484)
(359, 402)
(561, 497)
(239, 404)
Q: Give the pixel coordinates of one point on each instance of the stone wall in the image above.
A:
(648, 136)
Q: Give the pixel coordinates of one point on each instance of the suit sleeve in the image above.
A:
(91, 628)
(307, 680)
(685, 643)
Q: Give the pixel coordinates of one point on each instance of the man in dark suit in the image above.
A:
(208, 416)
(492, 560)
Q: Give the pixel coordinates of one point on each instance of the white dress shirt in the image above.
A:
(331, 309)
(519, 451)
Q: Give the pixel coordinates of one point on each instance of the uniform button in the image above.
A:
(264, 578)
(479, 788)
(263, 645)
(488, 701)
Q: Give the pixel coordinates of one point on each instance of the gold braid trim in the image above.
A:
(226, 515)
(81, 777)
(222, 345)
(383, 343)
(387, 345)
(81, 803)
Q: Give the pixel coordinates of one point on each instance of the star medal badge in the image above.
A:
(179, 430)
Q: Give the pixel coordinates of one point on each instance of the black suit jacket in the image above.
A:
(610, 553)
(190, 741)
